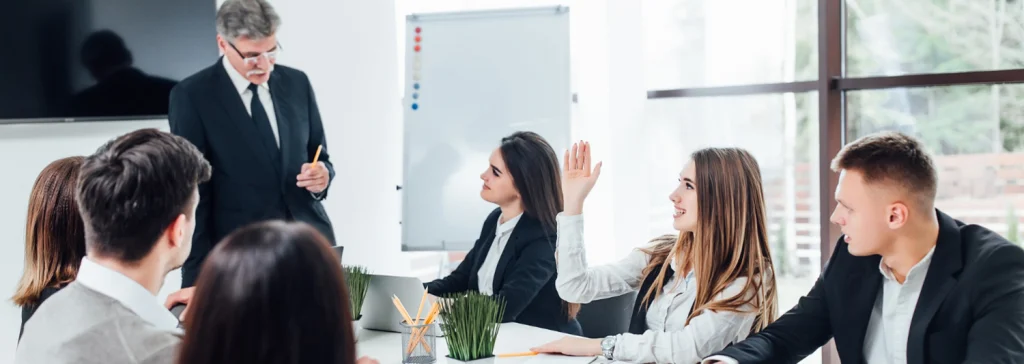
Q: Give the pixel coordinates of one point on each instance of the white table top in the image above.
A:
(512, 338)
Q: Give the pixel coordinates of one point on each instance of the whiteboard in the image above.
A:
(472, 78)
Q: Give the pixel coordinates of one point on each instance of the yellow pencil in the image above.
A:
(317, 156)
(512, 355)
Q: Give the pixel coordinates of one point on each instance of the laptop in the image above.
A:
(379, 313)
(338, 250)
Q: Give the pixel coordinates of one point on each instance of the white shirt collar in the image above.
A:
(508, 225)
(241, 84)
(914, 272)
(127, 291)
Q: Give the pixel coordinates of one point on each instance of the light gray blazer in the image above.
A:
(81, 326)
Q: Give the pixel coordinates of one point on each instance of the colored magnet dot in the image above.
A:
(415, 96)
(418, 29)
(418, 38)
(415, 106)
(417, 48)
(416, 86)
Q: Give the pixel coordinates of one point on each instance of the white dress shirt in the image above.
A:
(889, 326)
(668, 339)
(485, 276)
(242, 86)
(885, 340)
(128, 292)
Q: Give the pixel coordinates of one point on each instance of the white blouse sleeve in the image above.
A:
(706, 334)
(579, 283)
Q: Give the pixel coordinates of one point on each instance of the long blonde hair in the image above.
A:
(729, 242)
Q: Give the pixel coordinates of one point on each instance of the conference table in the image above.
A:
(386, 347)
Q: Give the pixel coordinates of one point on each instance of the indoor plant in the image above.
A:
(358, 279)
(470, 323)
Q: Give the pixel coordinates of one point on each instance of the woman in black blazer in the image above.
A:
(54, 236)
(514, 258)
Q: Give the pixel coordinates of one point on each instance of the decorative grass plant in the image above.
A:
(470, 323)
(358, 279)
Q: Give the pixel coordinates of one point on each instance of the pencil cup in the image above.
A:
(419, 343)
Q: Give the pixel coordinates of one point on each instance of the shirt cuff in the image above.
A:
(719, 358)
(318, 195)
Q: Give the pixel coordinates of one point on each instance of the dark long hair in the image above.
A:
(54, 231)
(537, 176)
(270, 293)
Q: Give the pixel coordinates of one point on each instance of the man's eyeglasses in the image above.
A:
(271, 55)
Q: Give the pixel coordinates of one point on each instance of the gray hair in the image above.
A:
(254, 19)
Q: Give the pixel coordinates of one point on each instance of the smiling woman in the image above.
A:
(711, 285)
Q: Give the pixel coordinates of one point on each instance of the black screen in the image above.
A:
(100, 59)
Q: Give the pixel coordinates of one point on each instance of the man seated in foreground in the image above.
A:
(137, 195)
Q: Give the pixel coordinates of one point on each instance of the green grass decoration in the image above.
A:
(358, 279)
(470, 323)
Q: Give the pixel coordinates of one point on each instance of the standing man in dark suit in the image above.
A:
(258, 124)
(906, 283)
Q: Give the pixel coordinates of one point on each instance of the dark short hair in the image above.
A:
(133, 187)
(273, 285)
(893, 158)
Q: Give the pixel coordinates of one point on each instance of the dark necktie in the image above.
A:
(262, 121)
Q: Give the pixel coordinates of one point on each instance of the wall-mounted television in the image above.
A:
(85, 60)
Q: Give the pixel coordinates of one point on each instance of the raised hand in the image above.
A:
(577, 177)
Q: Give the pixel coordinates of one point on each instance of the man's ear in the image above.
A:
(898, 215)
(176, 231)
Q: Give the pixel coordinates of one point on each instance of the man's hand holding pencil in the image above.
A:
(314, 176)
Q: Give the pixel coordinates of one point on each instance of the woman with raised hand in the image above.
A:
(698, 292)
(514, 258)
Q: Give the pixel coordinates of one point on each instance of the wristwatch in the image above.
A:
(608, 346)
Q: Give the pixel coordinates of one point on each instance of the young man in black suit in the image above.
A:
(906, 282)
(258, 124)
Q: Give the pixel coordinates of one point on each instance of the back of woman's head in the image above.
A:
(54, 231)
(731, 238)
(536, 175)
(270, 293)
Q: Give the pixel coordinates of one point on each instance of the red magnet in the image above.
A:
(418, 39)
(417, 48)
(417, 29)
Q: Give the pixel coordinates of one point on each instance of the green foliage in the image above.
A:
(358, 279)
(780, 253)
(1011, 226)
(470, 323)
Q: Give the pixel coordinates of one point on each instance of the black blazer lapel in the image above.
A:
(231, 101)
(526, 229)
(868, 280)
(285, 116)
(942, 276)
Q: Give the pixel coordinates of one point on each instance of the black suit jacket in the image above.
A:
(251, 181)
(525, 276)
(971, 307)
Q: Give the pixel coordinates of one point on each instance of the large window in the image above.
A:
(794, 80)
(694, 43)
(886, 37)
